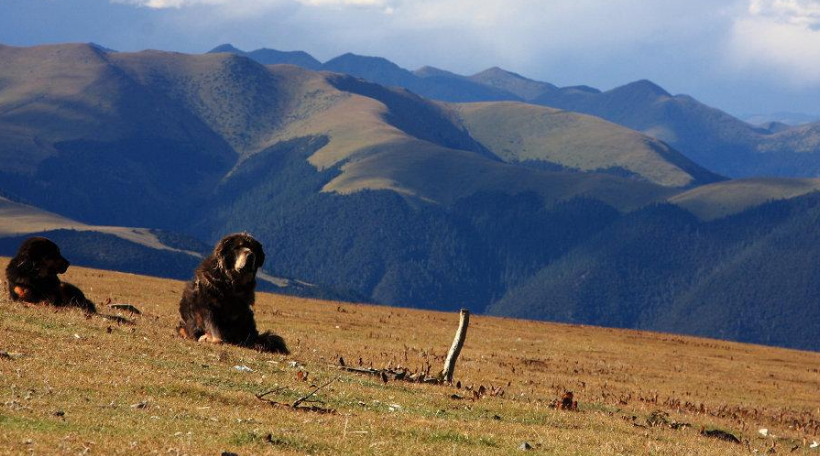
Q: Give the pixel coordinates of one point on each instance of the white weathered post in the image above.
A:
(455, 349)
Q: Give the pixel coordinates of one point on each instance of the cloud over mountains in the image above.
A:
(258, 5)
(781, 38)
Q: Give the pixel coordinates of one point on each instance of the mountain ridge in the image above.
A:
(706, 135)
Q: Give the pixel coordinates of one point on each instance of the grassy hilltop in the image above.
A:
(77, 385)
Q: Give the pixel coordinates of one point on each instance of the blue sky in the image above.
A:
(743, 56)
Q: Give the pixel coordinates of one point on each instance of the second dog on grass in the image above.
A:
(32, 276)
(216, 304)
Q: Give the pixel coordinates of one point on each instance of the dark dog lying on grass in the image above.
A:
(216, 304)
(32, 276)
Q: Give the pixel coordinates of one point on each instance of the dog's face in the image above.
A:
(240, 255)
(41, 257)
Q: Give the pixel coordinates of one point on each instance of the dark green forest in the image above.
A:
(752, 277)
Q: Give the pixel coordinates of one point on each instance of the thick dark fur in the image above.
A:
(216, 304)
(32, 276)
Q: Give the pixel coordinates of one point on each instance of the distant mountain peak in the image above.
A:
(100, 47)
(500, 72)
(525, 88)
(350, 57)
(227, 47)
(431, 71)
(267, 56)
(583, 88)
(645, 86)
(377, 69)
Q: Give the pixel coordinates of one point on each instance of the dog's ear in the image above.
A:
(221, 252)
(24, 263)
(259, 252)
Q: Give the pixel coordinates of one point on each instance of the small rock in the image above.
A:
(243, 368)
(59, 413)
(394, 407)
(525, 446)
(497, 418)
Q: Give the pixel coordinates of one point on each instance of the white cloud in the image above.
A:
(251, 4)
(162, 4)
(375, 3)
(796, 12)
(780, 38)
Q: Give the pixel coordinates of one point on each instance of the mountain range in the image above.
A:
(708, 136)
(375, 192)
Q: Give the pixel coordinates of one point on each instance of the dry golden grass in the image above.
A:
(440, 175)
(520, 132)
(721, 199)
(196, 402)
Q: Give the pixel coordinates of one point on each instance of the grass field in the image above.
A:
(722, 199)
(519, 132)
(77, 385)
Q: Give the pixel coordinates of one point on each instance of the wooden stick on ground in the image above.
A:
(308, 396)
(455, 349)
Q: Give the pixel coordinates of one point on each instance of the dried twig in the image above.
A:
(275, 390)
(309, 395)
(361, 370)
(296, 404)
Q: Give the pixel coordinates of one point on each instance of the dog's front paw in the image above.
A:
(23, 293)
(210, 338)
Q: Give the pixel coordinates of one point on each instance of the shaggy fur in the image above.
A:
(216, 304)
(32, 276)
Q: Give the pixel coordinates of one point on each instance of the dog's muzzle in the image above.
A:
(245, 260)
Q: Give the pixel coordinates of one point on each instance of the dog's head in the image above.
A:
(239, 256)
(41, 257)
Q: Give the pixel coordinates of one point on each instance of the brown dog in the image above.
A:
(32, 276)
(216, 304)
